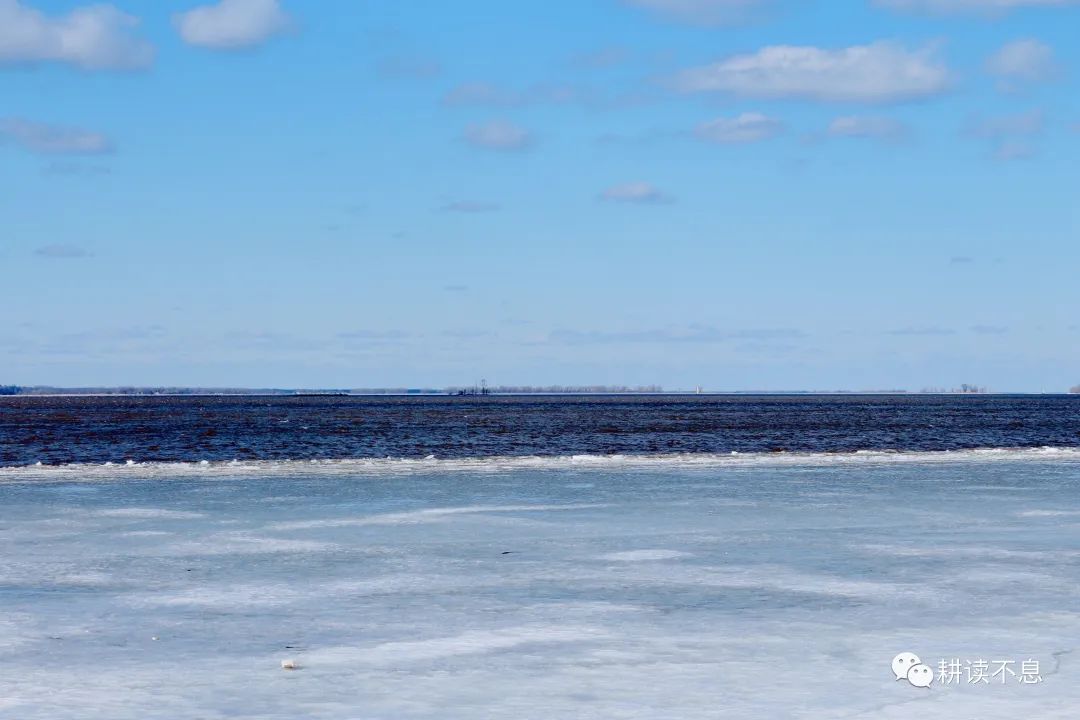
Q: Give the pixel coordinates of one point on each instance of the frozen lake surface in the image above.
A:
(751, 587)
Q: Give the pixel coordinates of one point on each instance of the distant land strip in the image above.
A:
(479, 390)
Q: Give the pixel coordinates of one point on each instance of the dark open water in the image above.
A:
(56, 430)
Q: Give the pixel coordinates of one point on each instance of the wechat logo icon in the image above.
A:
(908, 666)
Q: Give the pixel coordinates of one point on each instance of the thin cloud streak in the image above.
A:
(62, 252)
(745, 128)
(499, 135)
(638, 193)
(47, 139)
(882, 72)
(691, 334)
(700, 12)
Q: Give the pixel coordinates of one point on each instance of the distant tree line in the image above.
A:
(557, 389)
(131, 390)
(964, 389)
(8, 390)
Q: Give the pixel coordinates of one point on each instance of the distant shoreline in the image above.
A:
(147, 393)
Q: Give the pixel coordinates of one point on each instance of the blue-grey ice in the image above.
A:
(575, 588)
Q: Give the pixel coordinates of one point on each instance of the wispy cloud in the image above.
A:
(869, 127)
(878, 73)
(989, 329)
(1010, 135)
(699, 12)
(929, 330)
(61, 252)
(75, 169)
(93, 37)
(265, 340)
(490, 95)
(689, 334)
(1024, 123)
(638, 193)
(470, 206)
(1021, 63)
(408, 68)
(1014, 150)
(53, 139)
(644, 137)
(374, 335)
(499, 135)
(130, 342)
(744, 128)
(601, 59)
(982, 7)
(232, 24)
(468, 334)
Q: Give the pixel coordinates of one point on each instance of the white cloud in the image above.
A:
(96, 37)
(498, 135)
(873, 127)
(640, 193)
(880, 72)
(1025, 124)
(744, 128)
(52, 140)
(232, 24)
(1022, 61)
(699, 12)
(971, 6)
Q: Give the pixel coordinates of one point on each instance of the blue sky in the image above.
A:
(736, 194)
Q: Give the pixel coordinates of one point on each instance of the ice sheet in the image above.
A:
(746, 589)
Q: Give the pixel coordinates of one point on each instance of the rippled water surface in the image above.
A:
(55, 430)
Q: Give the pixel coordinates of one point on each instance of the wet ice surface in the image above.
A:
(742, 591)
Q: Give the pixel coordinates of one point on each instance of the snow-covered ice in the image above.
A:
(742, 589)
